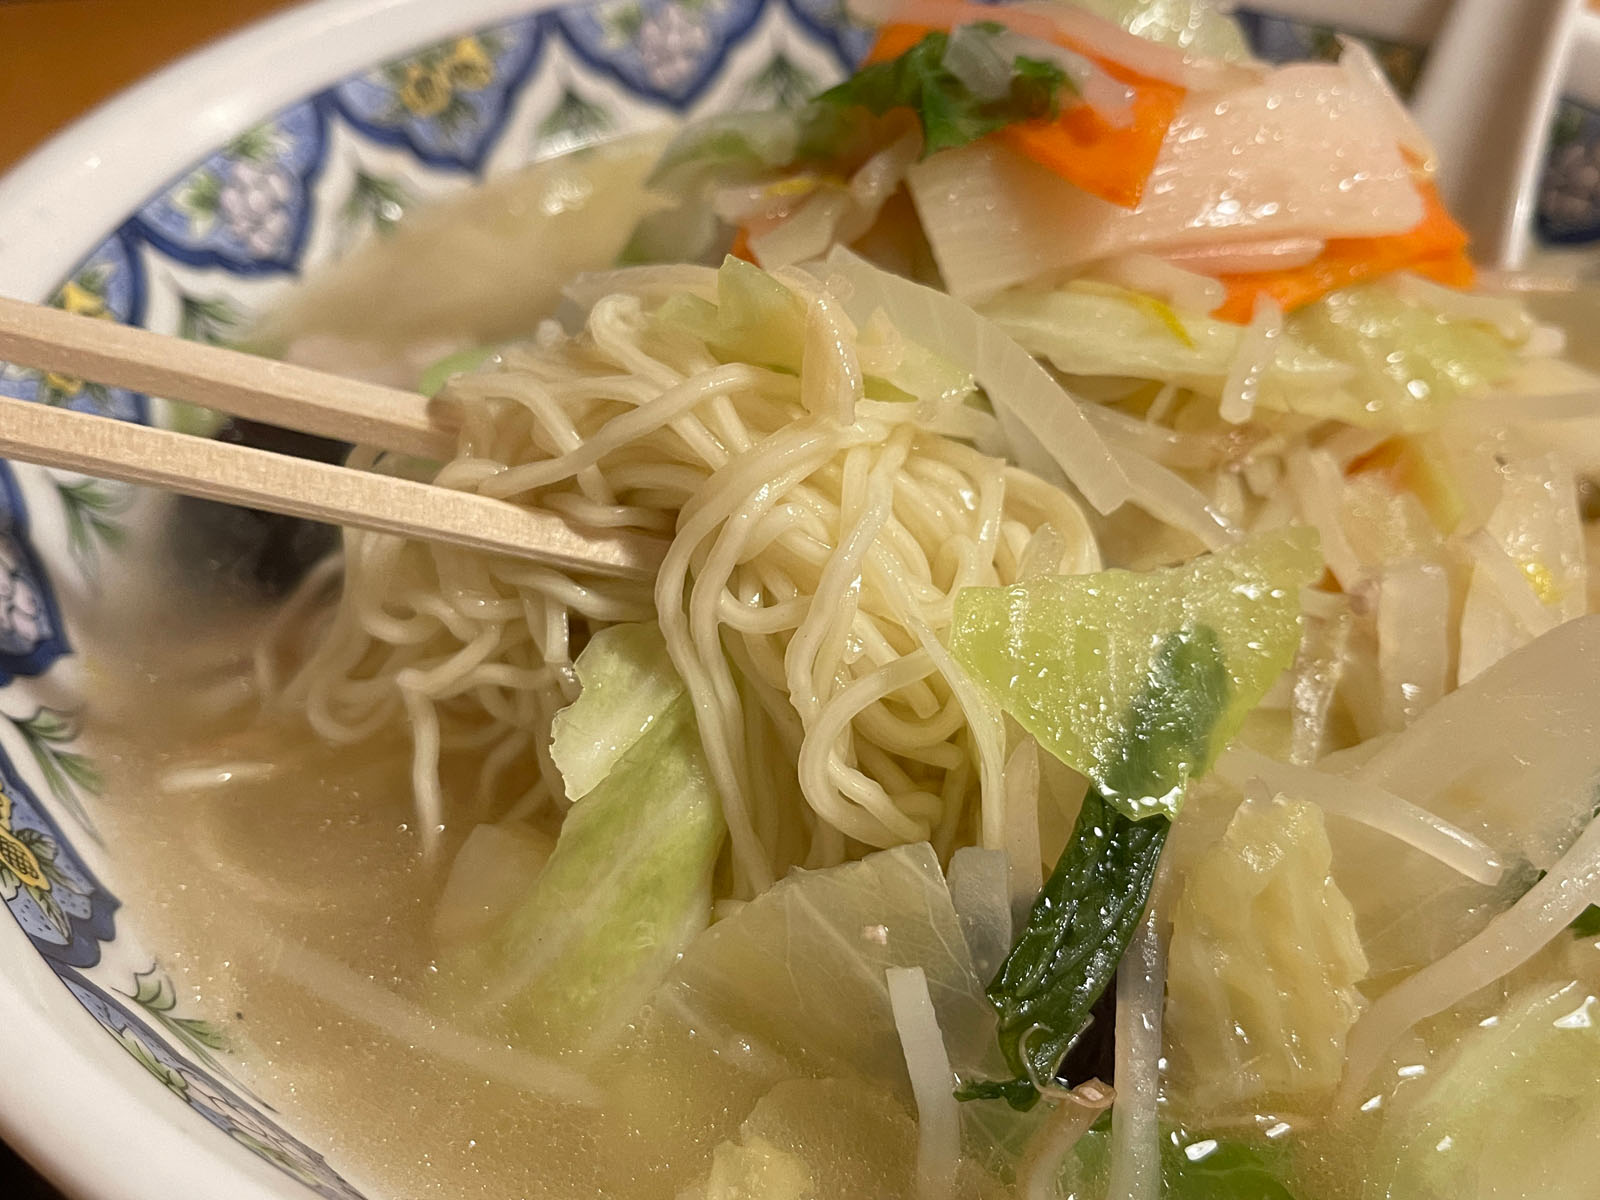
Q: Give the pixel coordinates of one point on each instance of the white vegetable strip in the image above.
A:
(1267, 162)
(1512, 583)
(1510, 940)
(1022, 828)
(1318, 486)
(397, 1018)
(1168, 497)
(1069, 1119)
(980, 893)
(830, 374)
(648, 283)
(1366, 75)
(1413, 639)
(1528, 726)
(1257, 350)
(1370, 805)
(1185, 290)
(1135, 1124)
(1022, 392)
(1268, 254)
(932, 1082)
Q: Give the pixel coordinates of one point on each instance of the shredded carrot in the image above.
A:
(1109, 160)
(1436, 247)
(894, 40)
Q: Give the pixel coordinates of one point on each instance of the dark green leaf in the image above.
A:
(950, 114)
(1227, 1171)
(1086, 914)
(1587, 923)
(1168, 737)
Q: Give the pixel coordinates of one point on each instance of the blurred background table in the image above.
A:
(61, 58)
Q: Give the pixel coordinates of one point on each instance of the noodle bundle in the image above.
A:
(817, 545)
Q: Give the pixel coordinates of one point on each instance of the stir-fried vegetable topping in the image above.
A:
(1231, 624)
(951, 109)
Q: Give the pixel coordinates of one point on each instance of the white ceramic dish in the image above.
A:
(221, 179)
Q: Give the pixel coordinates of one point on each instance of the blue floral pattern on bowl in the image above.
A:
(31, 632)
(45, 885)
(447, 103)
(247, 207)
(109, 285)
(205, 1093)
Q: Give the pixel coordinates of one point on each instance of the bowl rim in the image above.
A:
(84, 1114)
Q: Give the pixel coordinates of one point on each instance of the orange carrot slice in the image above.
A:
(1106, 159)
(1436, 247)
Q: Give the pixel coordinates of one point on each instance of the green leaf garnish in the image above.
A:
(950, 114)
(1084, 918)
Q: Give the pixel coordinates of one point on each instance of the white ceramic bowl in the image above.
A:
(223, 178)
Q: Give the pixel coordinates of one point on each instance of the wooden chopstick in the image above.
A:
(92, 445)
(245, 385)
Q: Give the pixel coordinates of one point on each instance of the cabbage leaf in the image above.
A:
(628, 884)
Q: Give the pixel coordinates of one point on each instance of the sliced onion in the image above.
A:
(1247, 257)
(1372, 806)
(805, 233)
(1135, 1120)
(932, 1082)
(1168, 497)
(1032, 406)
(1523, 739)
(1166, 279)
(1413, 638)
(980, 891)
(1257, 351)
(1509, 940)
(1022, 829)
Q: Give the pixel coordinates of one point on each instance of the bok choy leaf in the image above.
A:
(1138, 688)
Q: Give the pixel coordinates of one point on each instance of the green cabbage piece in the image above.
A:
(1192, 25)
(759, 320)
(628, 684)
(1514, 1114)
(1068, 657)
(1263, 967)
(1194, 1166)
(439, 372)
(1410, 360)
(755, 320)
(1096, 331)
(629, 882)
(1367, 355)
